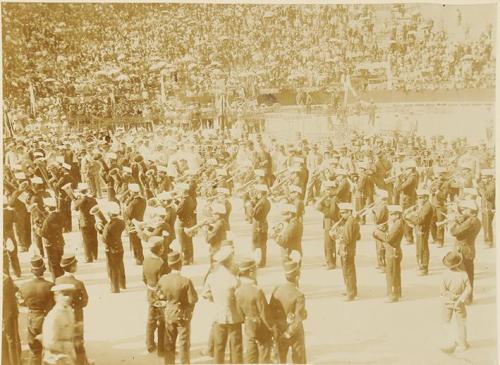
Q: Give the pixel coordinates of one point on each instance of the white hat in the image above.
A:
(329, 184)
(363, 165)
(62, 287)
(261, 187)
(468, 204)
(223, 253)
(212, 162)
(218, 208)
(165, 195)
(20, 175)
(113, 208)
(345, 206)
(158, 211)
(182, 187)
(488, 172)
(38, 154)
(340, 172)
(134, 188)
(50, 202)
(66, 166)
(127, 170)
(260, 172)
(112, 155)
(298, 160)
(83, 186)
(421, 192)
(295, 189)
(222, 190)
(289, 208)
(470, 191)
(394, 208)
(37, 180)
(221, 172)
(382, 193)
(410, 164)
(295, 168)
(60, 159)
(162, 168)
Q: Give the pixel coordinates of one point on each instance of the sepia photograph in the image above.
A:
(249, 183)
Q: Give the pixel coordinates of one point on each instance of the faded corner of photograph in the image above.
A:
(249, 183)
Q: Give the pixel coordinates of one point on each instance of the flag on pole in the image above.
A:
(31, 92)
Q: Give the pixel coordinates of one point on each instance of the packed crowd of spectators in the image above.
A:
(108, 59)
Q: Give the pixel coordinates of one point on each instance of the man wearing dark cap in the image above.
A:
(153, 268)
(86, 221)
(112, 239)
(252, 303)
(180, 297)
(53, 240)
(11, 343)
(79, 301)
(63, 199)
(288, 310)
(327, 205)
(135, 210)
(37, 296)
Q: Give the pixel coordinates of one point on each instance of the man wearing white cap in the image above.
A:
(220, 289)
(465, 229)
(391, 238)
(486, 190)
(58, 329)
(342, 189)
(215, 231)
(260, 207)
(405, 192)
(224, 199)
(135, 210)
(112, 239)
(53, 240)
(86, 221)
(327, 205)
(346, 232)
(420, 217)
(295, 198)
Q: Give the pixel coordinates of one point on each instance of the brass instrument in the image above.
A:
(365, 210)
(245, 186)
(193, 231)
(99, 215)
(334, 233)
(276, 230)
(153, 202)
(69, 191)
(380, 225)
(394, 177)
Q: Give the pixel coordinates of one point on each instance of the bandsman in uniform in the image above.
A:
(381, 216)
(87, 222)
(288, 234)
(486, 190)
(180, 297)
(135, 211)
(327, 205)
(186, 218)
(152, 269)
(79, 301)
(405, 188)
(391, 235)
(259, 211)
(63, 200)
(439, 192)
(288, 311)
(252, 303)
(37, 296)
(112, 239)
(215, 230)
(11, 258)
(53, 240)
(465, 229)
(346, 232)
(11, 343)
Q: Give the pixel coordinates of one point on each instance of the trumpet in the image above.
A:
(363, 211)
(394, 177)
(192, 231)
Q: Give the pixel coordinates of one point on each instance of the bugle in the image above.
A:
(365, 210)
(394, 177)
(192, 231)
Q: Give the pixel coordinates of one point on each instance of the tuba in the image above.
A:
(69, 191)
(99, 215)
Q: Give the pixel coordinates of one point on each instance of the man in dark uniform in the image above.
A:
(288, 310)
(186, 218)
(215, 232)
(37, 296)
(63, 200)
(420, 217)
(289, 238)
(9, 240)
(11, 343)
(252, 303)
(79, 301)
(381, 214)
(22, 222)
(165, 199)
(295, 193)
(327, 205)
(346, 232)
(180, 297)
(465, 229)
(342, 189)
(405, 189)
(112, 239)
(37, 211)
(53, 240)
(486, 189)
(391, 237)
(135, 210)
(260, 209)
(87, 222)
(439, 192)
(153, 268)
